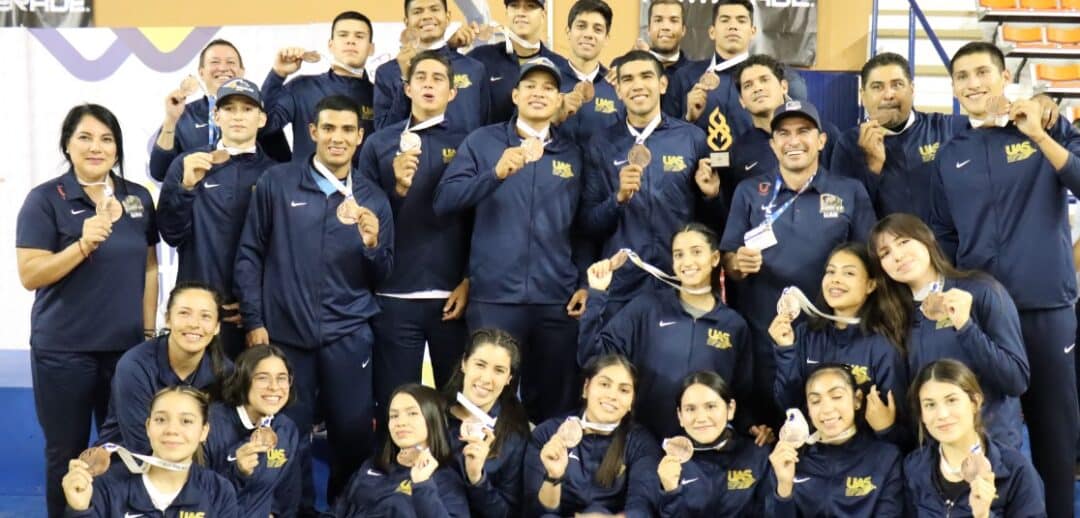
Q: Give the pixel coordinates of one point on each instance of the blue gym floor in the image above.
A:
(22, 446)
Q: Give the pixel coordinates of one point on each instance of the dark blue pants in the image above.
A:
(550, 379)
(337, 377)
(1050, 404)
(401, 330)
(70, 388)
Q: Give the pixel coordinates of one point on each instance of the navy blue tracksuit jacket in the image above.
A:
(633, 493)
(503, 70)
(669, 197)
(300, 272)
(121, 493)
(466, 112)
(1019, 489)
(522, 249)
(728, 482)
(904, 182)
(666, 344)
(859, 478)
(204, 223)
(273, 486)
(373, 493)
(294, 103)
(498, 494)
(604, 110)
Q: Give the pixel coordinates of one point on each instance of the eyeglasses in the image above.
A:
(264, 380)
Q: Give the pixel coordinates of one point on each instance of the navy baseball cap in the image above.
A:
(540, 64)
(508, 2)
(795, 108)
(240, 86)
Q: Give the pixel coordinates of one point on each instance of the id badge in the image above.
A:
(760, 237)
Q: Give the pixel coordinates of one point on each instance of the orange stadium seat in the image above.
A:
(1039, 4)
(998, 4)
(1018, 34)
(1063, 34)
(1049, 72)
(1070, 4)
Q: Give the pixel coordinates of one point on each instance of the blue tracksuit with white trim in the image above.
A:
(999, 206)
(118, 492)
(904, 182)
(503, 70)
(294, 103)
(859, 478)
(271, 487)
(308, 278)
(831, 211)
(193, 132)
(729, 482)
(437, 249)
(604, 110)
(498, 494)
(526, 259)
(873, 360)
(374, 493)
(141, 373)
(466, 112)
(669, 197)
(666, 344)
(1019, 490)
(633, 492)
(990, 344)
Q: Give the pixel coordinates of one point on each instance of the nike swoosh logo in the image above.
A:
(665, 323)
(364, 365)
(962, 164)
(231, 458)
(212, 185)
(574, 456)
(129, 515)
(619, 163)
(496, 78)
(812, 362)
(203, 125)
(686, 481)
(798, 480)
(297, 203)
(751, 166)
(1069, 348)
(374, 473)
(74, 212)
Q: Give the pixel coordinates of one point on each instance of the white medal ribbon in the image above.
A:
(434, 121)
(933, 287)
(107, 184)
(131, 460)
(839, 439)
(597, 427)
(441, 42)
(666, 59)
(544, 135)
(582, 76)
(997, 122)
(806, 305)
(670, 280)
(512, 38)
(344, 188)
(357, 72)
(729, 63)
(910, 122)
(246, 421)
(640, 136)
(233, 151)
(715, 447)
(956, 472)
(476, 411)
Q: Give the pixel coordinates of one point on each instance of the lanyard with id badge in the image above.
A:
(762, 237)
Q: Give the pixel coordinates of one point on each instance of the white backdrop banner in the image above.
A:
(128, 71)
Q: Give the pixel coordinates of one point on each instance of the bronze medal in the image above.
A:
(570, 433)
(219, 156)
(639, 155)
(586, 90)
(709, 81)
(788, 305)
(348, 213)
(409, 141)
(679, 447)
(265, 436)
(97, 458)
(974, 466)
(311, 56)
(472, 429)
(534, 149)
(407, 456)
(933, 306)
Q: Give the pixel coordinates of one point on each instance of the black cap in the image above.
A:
(541, 64)
(795, 108)
(240, 86)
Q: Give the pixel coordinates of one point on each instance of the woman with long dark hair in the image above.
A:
(490, 447)
(84, 242)
(965, 316)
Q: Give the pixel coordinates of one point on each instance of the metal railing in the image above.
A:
(916, 13)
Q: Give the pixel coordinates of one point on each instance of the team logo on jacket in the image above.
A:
(929, 151)
(719, 133)
(562, 169)
(133, 206)
(367, 113)
(674, 164)
(738, 479)
(859, 486)
(276, 458)
(831, 205)
(604, 105)
(448, 155)
(1019, 151)
(462, 81)
(186, 514)
(860, 373)
(718, 339)
(405, 487)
